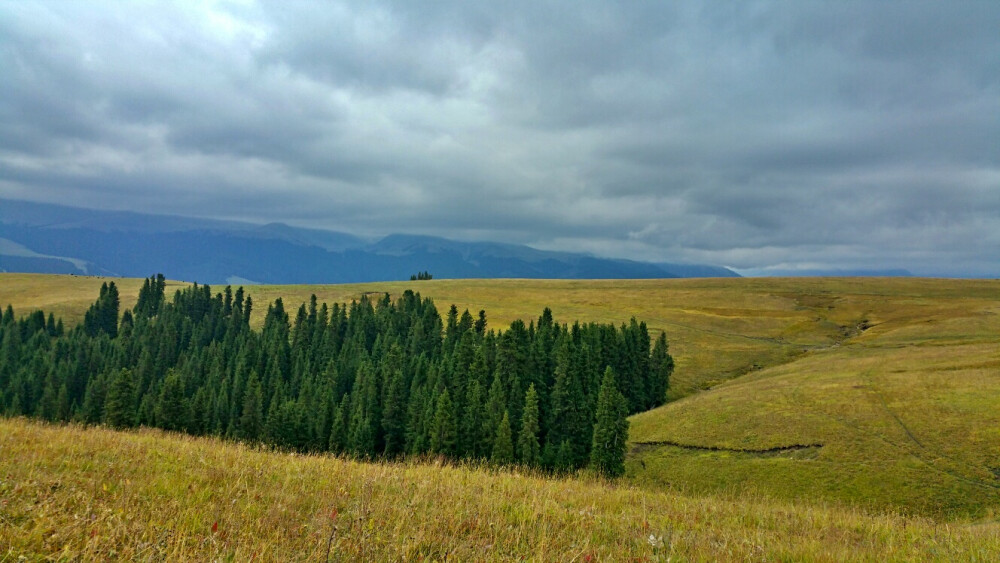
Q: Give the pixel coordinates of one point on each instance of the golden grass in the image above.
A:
(71, 493)
(906, 411)
(68, 297)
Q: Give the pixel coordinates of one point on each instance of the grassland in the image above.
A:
(71, 493)
(873, 393)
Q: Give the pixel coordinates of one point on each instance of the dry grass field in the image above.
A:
(882, 394)
(72, 493)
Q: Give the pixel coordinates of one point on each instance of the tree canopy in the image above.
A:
(373, 378)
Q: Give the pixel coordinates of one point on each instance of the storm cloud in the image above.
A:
(764, 136)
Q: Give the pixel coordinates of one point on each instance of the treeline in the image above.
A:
(371, 379)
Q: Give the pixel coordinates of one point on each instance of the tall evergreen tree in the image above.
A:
(340, 425)
(611, 429)
(570, 420)
(503, 449)
(661, 366)
(394, 415)
(527, 442)
(496, 408)
(171, 409)
(119, 408)
(252, 417)
(444, 429)
(474, 438)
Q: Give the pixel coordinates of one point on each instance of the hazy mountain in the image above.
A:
(57, 239)
(843, 273)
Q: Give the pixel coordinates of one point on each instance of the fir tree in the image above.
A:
(503, 449)
(611, 429)
(339, 426)
(119, 409)
(252, 417)
(527, 442)
(474, 439)
(92, 411)
(171, 408)
(394, 415)
(444, 429)
(480, 325)
(570, 420)
(496, 408)
(661, 366)
(564, 460)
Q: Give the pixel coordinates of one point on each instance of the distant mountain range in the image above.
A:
(842, 273)
(56, 239)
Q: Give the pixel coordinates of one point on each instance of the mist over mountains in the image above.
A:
(47, 238)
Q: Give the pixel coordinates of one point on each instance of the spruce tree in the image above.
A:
(47, 405)
(661, 367)
(252, 417)
(394, 415)
(527, 442)
(564, 460)
(496, 408)
(62, 403)
(92, 411)
(570, 421)
(109, 312)
(474, 439)
(611, 429)
(503, 449)
(444, 430)
(340, 425)
(171, 408)
(119, 410)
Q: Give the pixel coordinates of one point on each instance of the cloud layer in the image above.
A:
(756, 135)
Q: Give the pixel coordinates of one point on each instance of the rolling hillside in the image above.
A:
(878, 393)
(88, 493)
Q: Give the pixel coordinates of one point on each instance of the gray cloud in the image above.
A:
(761, 135)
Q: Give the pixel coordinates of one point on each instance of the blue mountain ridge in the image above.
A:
(45, 238)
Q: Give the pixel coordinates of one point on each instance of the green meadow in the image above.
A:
(801, 410)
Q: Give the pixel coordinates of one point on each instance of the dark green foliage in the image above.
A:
(473, 430)
(119, 408)
(171, 410)
(366, 379)
(528, 450)
(607, 456)
(252, 417)
(394, 414)
(570, 418)
(503, 449)
(102, 317)
(150, 296)
(661, 366)
(444, 429)
(421, 276)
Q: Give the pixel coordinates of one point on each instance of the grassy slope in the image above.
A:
(74, 493)
(905, 410)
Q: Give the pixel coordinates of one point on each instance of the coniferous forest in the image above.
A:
(373, 379)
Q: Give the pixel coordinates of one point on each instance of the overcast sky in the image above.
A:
(756, 135)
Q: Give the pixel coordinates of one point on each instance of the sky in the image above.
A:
(763, 136)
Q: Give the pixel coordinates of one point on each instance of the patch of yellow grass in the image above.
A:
(75, 493)
(68, 297)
